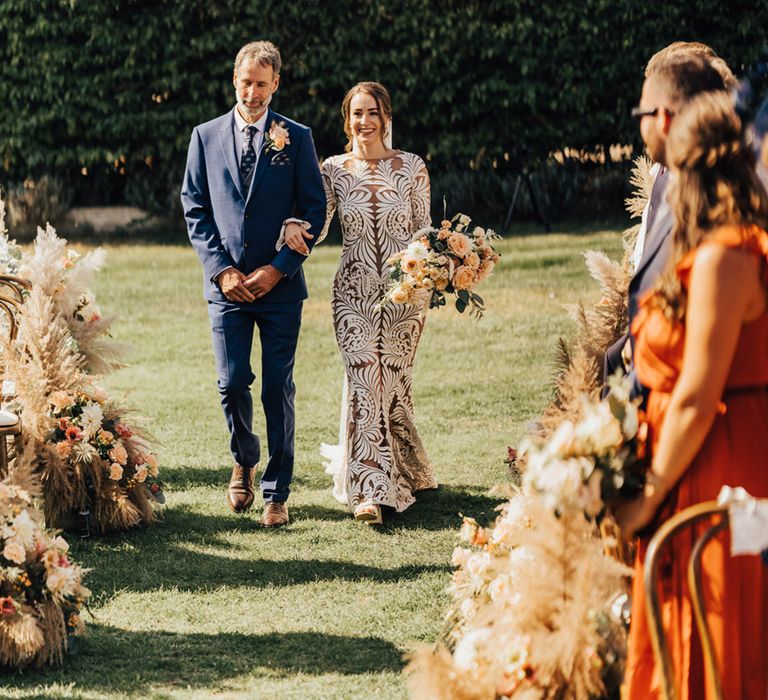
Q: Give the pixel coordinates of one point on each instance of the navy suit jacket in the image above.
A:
(230, 227)
(658, 248)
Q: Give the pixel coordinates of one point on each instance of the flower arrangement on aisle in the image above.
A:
(81, 438)
(443, 261)
(95, 458)
(537, 601)
(41, 590)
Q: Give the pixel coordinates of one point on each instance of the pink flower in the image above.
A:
(7, 606)
(123, 431)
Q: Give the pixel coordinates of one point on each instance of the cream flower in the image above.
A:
(416, 251)
(91, 419)
(25, 528)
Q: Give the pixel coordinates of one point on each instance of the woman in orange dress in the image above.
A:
(702, 350)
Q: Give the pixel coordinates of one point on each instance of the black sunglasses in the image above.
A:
(638, 113)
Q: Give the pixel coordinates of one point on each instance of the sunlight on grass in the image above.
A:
(207, 604)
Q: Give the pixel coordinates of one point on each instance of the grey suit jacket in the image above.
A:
(658, 246)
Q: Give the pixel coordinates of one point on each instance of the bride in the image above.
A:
(382, 197)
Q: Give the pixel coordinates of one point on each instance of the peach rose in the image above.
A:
(279, 136)
(442, 234)
(399, 296)
(410, 265)
(459, 244)
(97, 393)
(115, 472)
(14, 551)
(118, 454)
(106, 436)
(152, 464)
(64, 449)
(463, 278)
(445, 223)
(473, 260)
(141, 473)
(60, 400)
(441, 284)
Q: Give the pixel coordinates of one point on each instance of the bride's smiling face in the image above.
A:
(365, 120)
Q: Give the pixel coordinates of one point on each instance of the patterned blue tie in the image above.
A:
(249, 152)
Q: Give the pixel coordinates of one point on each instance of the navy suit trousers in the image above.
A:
(232, 330)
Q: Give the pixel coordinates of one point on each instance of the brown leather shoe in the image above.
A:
(275, 514)
(240, 490)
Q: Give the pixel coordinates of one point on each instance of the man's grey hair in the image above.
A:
(263, 52)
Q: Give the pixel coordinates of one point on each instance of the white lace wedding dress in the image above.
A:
(381, 204)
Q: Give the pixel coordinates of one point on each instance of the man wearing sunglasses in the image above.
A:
(673, 77)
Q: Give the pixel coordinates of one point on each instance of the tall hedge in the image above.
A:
(104, 93)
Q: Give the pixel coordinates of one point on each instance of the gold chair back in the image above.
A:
(685, 518)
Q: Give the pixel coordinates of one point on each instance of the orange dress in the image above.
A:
(735, 453)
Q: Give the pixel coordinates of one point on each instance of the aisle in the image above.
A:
(208, 605)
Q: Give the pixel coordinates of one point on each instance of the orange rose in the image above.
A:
(459, 244)
(463, 278)
(399, 296)
(473, 260)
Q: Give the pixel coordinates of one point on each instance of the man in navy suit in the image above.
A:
(252, 176)
(672, 79)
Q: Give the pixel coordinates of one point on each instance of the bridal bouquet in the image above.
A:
(41, 591)
(448, 260)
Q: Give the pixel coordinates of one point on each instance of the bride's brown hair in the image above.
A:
(383, 103)
(715, 183)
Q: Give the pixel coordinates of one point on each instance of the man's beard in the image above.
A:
(253, 112)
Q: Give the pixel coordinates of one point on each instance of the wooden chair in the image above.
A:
(11, 298)
(679, 521)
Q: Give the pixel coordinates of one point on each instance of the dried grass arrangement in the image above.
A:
(95, 470)
(41, 590)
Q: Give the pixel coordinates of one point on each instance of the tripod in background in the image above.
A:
(525, 176)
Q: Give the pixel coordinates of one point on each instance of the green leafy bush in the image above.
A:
(105, 94)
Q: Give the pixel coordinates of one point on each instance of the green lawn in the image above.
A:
(207, 604)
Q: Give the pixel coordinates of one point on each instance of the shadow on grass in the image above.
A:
(442, 508)
(196, 660)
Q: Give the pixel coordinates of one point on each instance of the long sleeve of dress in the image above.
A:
(330, 197)
(420, 196)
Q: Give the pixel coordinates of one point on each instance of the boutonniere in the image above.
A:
(277, 138)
